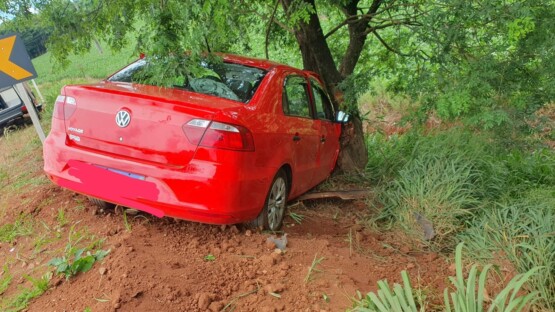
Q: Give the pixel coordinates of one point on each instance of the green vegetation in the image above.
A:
(468, 296)
(400, 298)
(80, 264)
(20, 301)
(467, 186)
(5, 279)
(209, 258)
(313, 269)
(523, 230)
(9, 232)
(95, 64)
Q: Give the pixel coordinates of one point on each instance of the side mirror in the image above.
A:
(342, 117)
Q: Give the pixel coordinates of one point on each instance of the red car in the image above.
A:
(229, 145)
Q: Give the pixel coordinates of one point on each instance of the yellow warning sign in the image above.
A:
(15, 63)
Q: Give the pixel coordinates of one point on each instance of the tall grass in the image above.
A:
(524, 229)
(467, 294)
(468, 188)
(440, 178)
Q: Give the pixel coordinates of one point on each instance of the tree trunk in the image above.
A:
(314, 48)
(317, 57)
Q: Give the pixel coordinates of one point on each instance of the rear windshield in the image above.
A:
(226, 80)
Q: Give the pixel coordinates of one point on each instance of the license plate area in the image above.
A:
(124, 173)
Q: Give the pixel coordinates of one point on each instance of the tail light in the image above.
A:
(64, 107)
(219, 135)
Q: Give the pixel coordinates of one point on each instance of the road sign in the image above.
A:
(15, 68)
(15, 63)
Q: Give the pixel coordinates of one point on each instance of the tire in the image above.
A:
(273, 212)
(102, 204)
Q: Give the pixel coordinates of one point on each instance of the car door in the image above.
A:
(329, 131)
(302, 130)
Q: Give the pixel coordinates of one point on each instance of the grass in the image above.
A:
(126, 223)
(21, 300)
(9, 232)
(469, 188)
(90, 65)
(313, 269)
(5, 279)
(467, 293)
(435, 182)
(297, 217)
(524, 231)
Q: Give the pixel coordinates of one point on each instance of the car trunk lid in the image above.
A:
(137, 122)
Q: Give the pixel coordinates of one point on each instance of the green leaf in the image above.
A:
(83, 265)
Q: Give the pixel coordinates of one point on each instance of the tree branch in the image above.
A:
(371, 14)
(391, 23)
(269, 28)
(387, 46)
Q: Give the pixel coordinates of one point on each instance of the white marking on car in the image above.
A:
(75, 130)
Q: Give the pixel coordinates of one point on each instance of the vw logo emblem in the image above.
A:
(123, 119)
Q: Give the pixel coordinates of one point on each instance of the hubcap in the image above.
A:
(276, 203)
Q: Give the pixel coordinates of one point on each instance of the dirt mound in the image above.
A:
(173, 265)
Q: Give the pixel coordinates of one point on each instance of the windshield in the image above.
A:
(226, 80)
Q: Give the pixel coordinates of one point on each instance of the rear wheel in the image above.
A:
(271, 216)
(101, 204)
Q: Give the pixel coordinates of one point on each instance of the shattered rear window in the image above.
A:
(226, 80)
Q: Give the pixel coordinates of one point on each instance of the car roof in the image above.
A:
(252, 62)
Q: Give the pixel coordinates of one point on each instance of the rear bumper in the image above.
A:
(222, 188)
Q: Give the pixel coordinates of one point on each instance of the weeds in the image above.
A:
(5, 280)
(126, 222)
(22, 226)
(400, 298)
(209, 258)
(468, 296)
(22, 299)
(80, 264)
(313, 268)
(61, 218)
(524, 230)
(298, 218)
(437, 189)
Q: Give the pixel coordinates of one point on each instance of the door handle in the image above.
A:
(323, 139)
(296, 137)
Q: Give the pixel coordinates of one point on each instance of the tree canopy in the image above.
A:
(487, 60)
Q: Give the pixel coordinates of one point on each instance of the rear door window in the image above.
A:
(295, 97)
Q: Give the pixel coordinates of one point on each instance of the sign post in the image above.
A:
(15, 68)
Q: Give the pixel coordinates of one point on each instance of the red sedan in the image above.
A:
(231, 144)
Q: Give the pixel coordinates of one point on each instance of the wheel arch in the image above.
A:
(289, 174)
